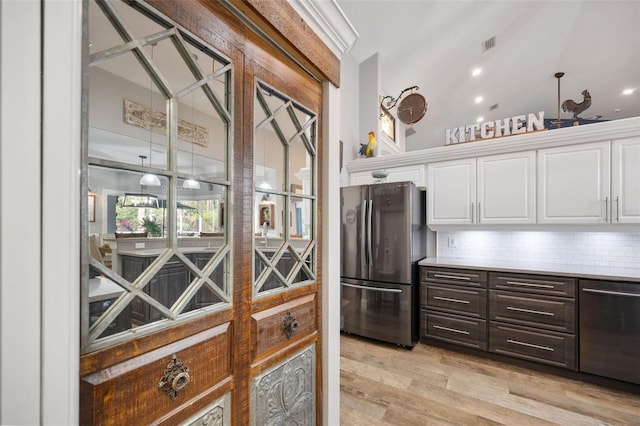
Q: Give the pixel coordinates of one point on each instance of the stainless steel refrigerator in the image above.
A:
(384, 235)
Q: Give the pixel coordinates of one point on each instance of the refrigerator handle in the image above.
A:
(370, 231)
(363, 234)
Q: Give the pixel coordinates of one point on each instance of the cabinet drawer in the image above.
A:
(534, 345)
(453, 329)
(551, 313)
(462, 277)
(456, 300)
(536, 284)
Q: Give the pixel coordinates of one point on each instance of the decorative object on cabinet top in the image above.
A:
(411, 109)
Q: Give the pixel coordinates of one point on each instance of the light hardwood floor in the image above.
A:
(382, 384)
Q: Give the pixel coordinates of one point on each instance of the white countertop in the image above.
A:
(578, 271)
(101, 288)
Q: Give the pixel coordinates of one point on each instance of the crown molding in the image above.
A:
(329, 22)
(608, 130)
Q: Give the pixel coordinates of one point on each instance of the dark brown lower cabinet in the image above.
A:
(533, 318)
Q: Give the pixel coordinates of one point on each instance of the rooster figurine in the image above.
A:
(577, 108)
(368, 149)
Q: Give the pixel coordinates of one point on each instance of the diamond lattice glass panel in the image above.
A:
(103, 294)
(201, 212)
(102, 35)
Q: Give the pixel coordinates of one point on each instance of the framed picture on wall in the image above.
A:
(92, 208)
(266, 215)
(388, 124)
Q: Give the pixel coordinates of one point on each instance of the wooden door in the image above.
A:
(210, 326)
(284, 334)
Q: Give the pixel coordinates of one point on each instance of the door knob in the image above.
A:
(176, 377)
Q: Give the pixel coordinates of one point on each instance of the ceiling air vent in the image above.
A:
(488, 44)
(410, 131)
(492, 107)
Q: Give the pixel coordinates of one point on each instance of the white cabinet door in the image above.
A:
(451, 192)
(506, 188)
(573, 184)
(625, 181)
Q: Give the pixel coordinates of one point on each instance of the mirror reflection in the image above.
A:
(158, 174)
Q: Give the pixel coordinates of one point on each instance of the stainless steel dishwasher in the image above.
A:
(610, 329)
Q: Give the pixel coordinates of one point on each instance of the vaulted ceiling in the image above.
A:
(437, 44)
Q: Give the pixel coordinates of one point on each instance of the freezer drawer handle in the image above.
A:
(452, 330)
(448, 299)
(611, 293)
(453, 277)
(385, 290)
(530, 345)
(529, 311)
(530, 284)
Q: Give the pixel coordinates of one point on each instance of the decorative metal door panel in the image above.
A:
(286, 394)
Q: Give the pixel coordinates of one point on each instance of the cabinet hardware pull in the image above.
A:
(473, 213)
(617, 209)
(289, 325)
(453, 277)
(176, 377)
(529, 311)
(606, 209)
(384, 290)
(478, 213)
(530, 345)
(447, 299)
(453, 330)
(611, 293)
(530, 284)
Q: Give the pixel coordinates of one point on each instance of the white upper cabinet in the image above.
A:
(573, 184)
(506, 188)
(625, 181)
(451, 192)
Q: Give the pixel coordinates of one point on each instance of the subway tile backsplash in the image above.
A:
(614, 249)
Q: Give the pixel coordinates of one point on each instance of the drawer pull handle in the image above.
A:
(453, 277)
(530, 345)
(529, 311)
(452, 330)
(447, 299)
(176, 377)
(289, 325)
(530, 284)
(611, 293)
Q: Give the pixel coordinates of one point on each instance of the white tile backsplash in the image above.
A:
(617, 249)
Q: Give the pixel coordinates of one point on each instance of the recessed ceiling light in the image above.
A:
(476, 72)
(617, 110)
(478, 99)
(627, 91)
(480, 119)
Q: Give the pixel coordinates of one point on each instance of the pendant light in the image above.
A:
(149, 179)
(191, 183)
(141, 200)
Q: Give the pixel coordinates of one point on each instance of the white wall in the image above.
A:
(612, 249)
(349, 108)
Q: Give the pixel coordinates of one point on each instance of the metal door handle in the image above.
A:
(478, 213)
(453, 277)
(370, 228)
(606, 209)
(530, 284)
(611, 293)
(383, 290)
(289, 325)
(363, 234)
(176, 377)
(472, 213)
(529, 311)
(617, 209)
(530, 345)
(452, 330)
(447, 299)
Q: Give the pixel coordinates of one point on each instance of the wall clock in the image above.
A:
(412, 108)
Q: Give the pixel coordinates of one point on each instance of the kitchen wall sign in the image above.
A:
(494, 129)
